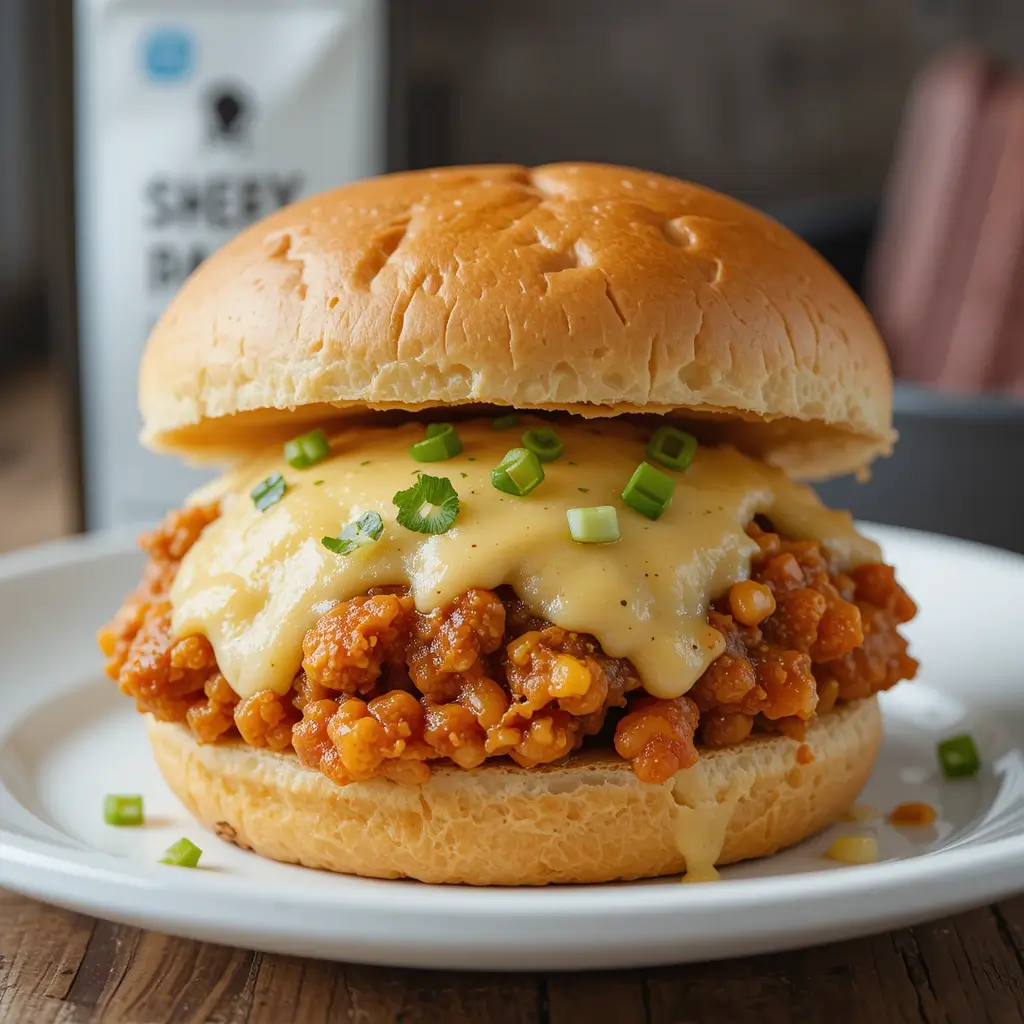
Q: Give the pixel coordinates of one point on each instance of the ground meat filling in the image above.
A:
(384, 689)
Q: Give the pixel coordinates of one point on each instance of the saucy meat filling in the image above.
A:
(384, 689)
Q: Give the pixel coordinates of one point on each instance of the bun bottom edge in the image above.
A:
(588, 819)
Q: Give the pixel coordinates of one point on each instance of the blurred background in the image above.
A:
(138, 135)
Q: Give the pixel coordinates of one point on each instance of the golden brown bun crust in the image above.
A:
(585, 288)
(589, 820)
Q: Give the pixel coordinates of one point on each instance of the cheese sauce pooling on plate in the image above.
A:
(255, 582)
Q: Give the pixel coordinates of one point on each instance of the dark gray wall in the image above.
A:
(958, 469)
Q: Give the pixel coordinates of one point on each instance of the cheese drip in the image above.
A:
(255, 582)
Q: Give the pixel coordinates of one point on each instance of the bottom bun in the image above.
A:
(588, 819)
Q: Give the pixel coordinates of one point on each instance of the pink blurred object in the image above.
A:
(947, 273)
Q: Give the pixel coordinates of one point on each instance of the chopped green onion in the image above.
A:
(544, 443)
(306, 450)
(268, 492)
(518, 473)
(182, 854)
(597, 525)
(365, 530)
(122, 810)
(958, 757)
(505, 422)
(649, 491)
(672, 447)
(431, 505)
(441, 442)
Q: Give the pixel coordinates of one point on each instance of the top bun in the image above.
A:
(584, 288)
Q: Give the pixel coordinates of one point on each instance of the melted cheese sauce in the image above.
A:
(702, 818)
(254, 582)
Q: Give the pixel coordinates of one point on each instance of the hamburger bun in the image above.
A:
(587, 819)
(581, 288)
(585, 290)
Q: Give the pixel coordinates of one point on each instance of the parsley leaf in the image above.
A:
(268, 492)
(431, 505)
(365, 530)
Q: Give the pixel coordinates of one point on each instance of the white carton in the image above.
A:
(193, 119)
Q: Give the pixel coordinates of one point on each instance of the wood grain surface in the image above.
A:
(58, 967)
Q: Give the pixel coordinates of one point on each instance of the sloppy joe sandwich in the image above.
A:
(510, 579)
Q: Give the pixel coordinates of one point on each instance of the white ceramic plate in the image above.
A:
(67, 738)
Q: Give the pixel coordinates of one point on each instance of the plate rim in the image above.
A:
(619, 897)
(88, 878)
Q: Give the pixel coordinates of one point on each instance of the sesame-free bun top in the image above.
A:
(582, 288)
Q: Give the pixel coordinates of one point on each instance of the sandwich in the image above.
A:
(510, 577)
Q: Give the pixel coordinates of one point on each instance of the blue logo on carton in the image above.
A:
(168, 55)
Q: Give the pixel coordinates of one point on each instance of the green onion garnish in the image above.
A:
(441, 442)
(306, 450)
(182, 854)
(268, 492)
(431, 505)
(365, 530)
(518, 473)
(504, 422)
(649, 491)
(597, 525)
(672, 447)
(958, 757)
(122, 810)
(544, 443)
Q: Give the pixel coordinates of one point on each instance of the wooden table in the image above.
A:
(56, 966)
